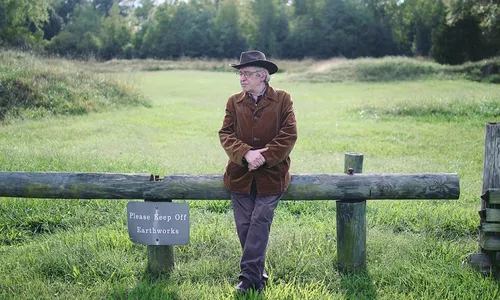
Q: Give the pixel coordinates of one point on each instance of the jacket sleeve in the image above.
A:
(233, 146)
(281, 146)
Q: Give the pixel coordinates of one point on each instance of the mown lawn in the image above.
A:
(79, 249)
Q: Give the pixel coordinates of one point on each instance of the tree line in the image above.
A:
(450, 31)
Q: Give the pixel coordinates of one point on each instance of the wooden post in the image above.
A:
(351, 223)
(487, 261)
(160, 258)
(491, 167)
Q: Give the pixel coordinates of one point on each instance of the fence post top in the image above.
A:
(354, 153)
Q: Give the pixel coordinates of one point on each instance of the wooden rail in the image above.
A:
(210, 187)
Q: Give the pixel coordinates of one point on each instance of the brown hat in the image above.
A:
(255, 58)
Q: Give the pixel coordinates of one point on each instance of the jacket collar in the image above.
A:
(270, 94)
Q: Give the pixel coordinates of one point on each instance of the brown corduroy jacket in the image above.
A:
(247, 126)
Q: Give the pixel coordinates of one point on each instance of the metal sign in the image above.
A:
(158, 223)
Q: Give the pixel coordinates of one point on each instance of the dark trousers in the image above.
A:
(253, 216)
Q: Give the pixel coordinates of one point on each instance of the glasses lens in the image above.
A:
(245, 73)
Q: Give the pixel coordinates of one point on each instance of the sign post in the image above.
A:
(160, 225)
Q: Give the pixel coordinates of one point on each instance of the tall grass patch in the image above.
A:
(25, 220)
(30, 89)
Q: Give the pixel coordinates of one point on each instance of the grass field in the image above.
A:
(77, 249)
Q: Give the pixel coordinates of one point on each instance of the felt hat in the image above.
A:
(255, 58)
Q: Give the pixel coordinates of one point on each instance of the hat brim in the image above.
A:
(269, 66)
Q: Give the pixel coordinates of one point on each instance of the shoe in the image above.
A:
(264, 278)
(243, 286)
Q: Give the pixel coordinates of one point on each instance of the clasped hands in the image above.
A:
(255, 159)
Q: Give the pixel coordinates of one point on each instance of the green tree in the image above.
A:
(144, 10)
(282, 30)
(158, 38)
(265, 11)
(53, 26)
(115, 34)
(60, 14)
(227, 31)
(198, 36)
(16, 16)
(104, 6)
(399, 18)
(305, 28)
(487, 12)
(65, 8)
(300, 7)
(80, 37)
(337, 23)
(426, 17)
(458, 42)
(182, 25)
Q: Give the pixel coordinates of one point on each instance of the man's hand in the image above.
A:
(255, 159)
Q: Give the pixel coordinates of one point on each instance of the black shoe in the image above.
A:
(244, 285)
(264, 278)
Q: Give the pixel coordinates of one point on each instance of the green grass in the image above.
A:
(439, 104)
(79, 249)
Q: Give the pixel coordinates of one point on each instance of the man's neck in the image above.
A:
(255, 96)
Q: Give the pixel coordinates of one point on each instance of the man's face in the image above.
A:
(251, 80)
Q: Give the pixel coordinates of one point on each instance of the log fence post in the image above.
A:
(351, 223)
(350, 190)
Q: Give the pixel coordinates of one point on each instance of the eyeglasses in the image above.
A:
(246, 73)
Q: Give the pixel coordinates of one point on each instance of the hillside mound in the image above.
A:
(31, 88)
(389, 69)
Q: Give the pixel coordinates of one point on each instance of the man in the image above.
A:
(258, 134)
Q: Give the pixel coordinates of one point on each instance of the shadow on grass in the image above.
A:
(149, 286)
(357, 285)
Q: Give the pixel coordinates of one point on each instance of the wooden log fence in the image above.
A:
(351, 189)
(210, 187)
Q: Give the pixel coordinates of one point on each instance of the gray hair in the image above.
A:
(268, 77)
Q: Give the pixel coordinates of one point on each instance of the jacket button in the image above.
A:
(255, 117)
(255, 139)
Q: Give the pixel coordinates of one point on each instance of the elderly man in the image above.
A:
(258, 133)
